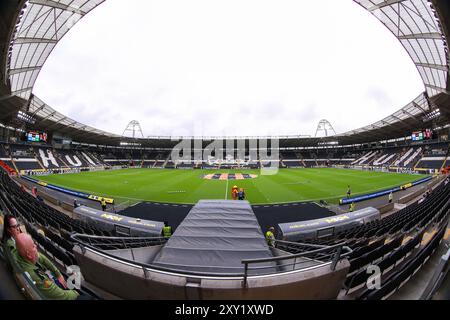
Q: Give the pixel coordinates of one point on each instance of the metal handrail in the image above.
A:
(246, 263)
(79, 235)
(298, 255)
(302, 244)
(336, 256)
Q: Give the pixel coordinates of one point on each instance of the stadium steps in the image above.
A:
(417, 163)
(39, 161)
(361, 158)
(367, 159)
(394, 159)
(404, 157)
(65, 165)
(416, 155)
(303, 162)
(447, 156)
(167, 160)
(61, 158)
(388, 159)
(380, 160)
(14, 164)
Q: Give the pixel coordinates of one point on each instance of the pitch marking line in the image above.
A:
(226, 190)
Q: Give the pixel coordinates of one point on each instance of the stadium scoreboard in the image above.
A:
(422, 135)
(35, 136)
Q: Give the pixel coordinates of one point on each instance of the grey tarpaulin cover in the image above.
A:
(215, 237)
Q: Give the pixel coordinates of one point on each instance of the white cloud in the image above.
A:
(216, 67)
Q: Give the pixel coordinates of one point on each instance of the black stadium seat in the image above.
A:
(398, 278)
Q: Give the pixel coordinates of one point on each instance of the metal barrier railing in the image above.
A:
(319, 255)
(105, 243)
(316, 254)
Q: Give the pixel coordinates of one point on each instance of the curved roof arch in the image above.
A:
(418, 29)
(41, 24)
(38, 30)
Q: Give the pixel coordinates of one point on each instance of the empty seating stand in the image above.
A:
(399, 278)
(370, 246)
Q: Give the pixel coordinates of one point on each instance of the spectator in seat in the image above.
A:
(49, 280)
(11, 228)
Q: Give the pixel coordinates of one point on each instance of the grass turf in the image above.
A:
(188, 186)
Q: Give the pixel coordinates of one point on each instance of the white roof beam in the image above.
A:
(433, 66)
(417, 106)
(21, 91)
(57, 5)
(437, 88)
(20, 70)
(34, 40)
(416, 36)
(386, 3)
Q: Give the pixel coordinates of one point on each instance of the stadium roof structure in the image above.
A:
(32, 28)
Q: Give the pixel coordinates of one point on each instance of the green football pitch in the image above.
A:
(189, 186)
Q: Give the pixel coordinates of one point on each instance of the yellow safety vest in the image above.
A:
(270, 238)
(167, 231)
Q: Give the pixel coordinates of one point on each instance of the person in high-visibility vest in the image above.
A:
(167, 230)
(270, 237)
(352, 207)
(103, 202)
(391, 197)
(234, 192)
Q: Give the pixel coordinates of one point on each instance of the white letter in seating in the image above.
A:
(75, 162)
(48, 158)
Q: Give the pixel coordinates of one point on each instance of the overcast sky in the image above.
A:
(228, 67)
